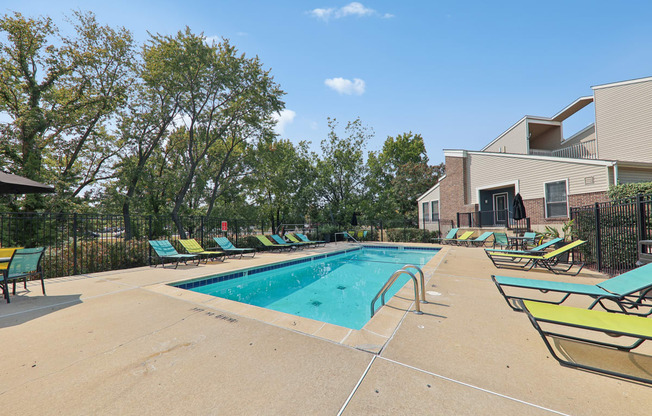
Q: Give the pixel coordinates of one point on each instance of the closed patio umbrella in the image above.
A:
(14, 184)
(518, 208)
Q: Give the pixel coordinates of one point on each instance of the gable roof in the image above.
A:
(431, 189)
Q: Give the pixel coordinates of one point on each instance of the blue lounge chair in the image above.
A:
(307, 240)
(230, 249)
(536, 249)
(452, 234)
(278, 240)
(630, 291)
(480, 241)
(165, 251)
(25, 264)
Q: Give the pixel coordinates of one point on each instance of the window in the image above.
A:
(556, 199)
(426, 213)
(435, 210)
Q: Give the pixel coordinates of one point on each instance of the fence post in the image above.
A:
(149, 237)
(201, 230)
(74, 244)
(640, 218)
(235, 222)
(381, 231)
(598, 242)
(458, 220)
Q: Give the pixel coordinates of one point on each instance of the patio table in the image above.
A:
(519, 241)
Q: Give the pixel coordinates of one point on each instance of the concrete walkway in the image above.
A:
(126, 343)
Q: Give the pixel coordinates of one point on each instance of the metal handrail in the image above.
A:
(390, 282)
(421, 278)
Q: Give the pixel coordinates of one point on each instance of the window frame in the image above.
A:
(425, 212)
(432, 210)
(545, 199)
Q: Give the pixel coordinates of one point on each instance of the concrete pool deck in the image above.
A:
(125, 342)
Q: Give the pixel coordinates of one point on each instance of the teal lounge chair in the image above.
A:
(25, 263)
(307, 240)
(536, 249)
(480, 241)
(452, 234)
(560, 323)
(278, 240)
(530, 238)
(230, 249)
(464, 238)
(165, 251)
(629, 292)
(295, 240)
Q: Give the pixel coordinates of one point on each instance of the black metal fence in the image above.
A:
(496, 218)
(612, 231)
(88, 243)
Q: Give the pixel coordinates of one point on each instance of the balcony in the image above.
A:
(584, 150)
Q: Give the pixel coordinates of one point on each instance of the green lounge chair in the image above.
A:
(271, 246)
(547, 318)
(25, 263)
(501, 240)
(630, 291)
(295, 240)
(450, 236)
(303, 237)
(193, 247)
(480, 241)
(538, 248)
(549, 261)
(278, 240)
(464, 238)
(230, 249)
(165, 251)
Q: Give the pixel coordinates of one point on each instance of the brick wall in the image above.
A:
(536, 210)
(452, 189)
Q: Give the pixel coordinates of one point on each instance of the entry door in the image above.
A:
(500, 208)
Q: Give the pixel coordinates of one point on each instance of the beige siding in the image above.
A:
(630, 175)
(623, 118)
(582, 136)
(433, 195)
(489, 170)
(513, 141)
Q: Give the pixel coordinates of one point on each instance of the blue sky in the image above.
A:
(457, 72)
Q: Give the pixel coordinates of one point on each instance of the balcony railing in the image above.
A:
(492, 219)
(584, 150)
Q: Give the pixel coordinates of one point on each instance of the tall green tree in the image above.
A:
(281, 176)
(60, 94)
(221, 94)
(341, 171)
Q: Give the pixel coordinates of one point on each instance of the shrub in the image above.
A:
(628, 190)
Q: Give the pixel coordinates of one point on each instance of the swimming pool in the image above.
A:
(336, 288)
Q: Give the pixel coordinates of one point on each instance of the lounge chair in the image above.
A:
(630, 291)
(545, 318)
(536, 249)
(271, 246)
(450, 236)
(303, 237)
(529, 238)
(295, 240)
(230, 249)
(480, 241)
(464, 238)
(281, 242)
(165, 251)
(549, 261)
(501, 240)
(193, 247)
(25, 263)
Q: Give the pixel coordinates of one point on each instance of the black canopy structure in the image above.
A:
(518, 208)
(14, 184)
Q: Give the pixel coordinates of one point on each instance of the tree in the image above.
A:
(60, 99)
(223, 98)
(398, 175)
(341, 173)
(281, 175)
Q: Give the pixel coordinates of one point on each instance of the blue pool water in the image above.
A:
(337, 289)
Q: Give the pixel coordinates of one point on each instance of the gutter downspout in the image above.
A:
(615, 173)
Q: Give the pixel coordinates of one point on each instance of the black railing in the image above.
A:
(612, 231)
(496, 218)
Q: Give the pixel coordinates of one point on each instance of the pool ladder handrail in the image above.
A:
(392, 280)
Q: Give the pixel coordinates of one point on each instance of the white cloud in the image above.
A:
(283, 118)
(352, 9)
(346, 86)
(210, 40)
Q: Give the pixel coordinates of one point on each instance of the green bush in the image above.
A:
(628, 190)
(410, 235)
